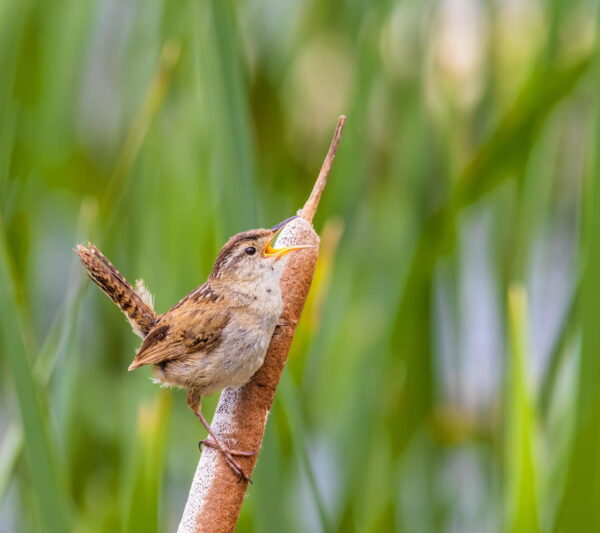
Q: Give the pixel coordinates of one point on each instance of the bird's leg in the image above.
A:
(222, 448)
(193, 401)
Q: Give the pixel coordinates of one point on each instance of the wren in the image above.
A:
(218, 335)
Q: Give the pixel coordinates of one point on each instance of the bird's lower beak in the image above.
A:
(270, 251)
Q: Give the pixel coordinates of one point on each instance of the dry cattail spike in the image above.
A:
(216, 495)
(310, 207)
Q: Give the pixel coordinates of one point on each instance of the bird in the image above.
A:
(216, 336)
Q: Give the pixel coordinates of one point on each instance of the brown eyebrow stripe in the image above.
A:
(250, 235)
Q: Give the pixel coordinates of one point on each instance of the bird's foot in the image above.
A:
(212, 444)
(228, 456)
(287, 324)
(194, 403)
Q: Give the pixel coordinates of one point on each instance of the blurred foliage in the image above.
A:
(445, 373)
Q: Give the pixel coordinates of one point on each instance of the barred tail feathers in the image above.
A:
(136, 305)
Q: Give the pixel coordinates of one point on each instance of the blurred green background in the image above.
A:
(445, 375)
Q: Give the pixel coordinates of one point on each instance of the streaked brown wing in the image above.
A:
(182, 331)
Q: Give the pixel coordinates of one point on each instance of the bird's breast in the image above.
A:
(245, 341)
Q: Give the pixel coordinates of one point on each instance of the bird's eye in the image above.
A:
(250, 250)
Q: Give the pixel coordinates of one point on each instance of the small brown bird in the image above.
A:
(218, 335)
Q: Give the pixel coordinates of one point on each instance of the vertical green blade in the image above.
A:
(521, 478)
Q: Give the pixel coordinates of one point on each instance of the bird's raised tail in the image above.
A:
(136, 304)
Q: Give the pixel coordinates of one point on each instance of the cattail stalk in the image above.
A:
(216, 495)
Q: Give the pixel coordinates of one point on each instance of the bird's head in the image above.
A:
(253, 254)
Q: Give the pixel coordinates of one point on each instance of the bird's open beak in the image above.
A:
(269, 251)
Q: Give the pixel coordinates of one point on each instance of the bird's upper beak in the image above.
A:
(270, 251)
